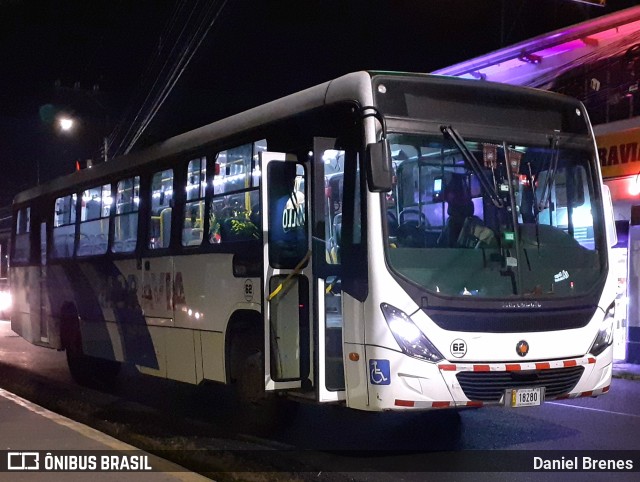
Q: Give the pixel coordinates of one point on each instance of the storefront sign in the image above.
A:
(619, 153)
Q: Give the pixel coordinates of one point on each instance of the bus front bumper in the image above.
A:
(398, 382)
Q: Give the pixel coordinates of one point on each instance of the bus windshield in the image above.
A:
(516, 221)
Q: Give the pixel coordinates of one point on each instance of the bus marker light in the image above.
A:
(353, 356)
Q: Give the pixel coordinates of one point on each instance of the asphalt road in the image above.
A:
(334, 442)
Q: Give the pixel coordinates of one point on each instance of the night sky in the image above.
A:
(53, 53)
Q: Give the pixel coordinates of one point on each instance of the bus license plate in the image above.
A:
(525, 397)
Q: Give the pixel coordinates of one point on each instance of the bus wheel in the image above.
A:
(250, 381)
(262, 412)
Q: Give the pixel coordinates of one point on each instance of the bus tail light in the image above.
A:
(411, 340)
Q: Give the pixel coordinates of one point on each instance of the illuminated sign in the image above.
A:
(619, 153)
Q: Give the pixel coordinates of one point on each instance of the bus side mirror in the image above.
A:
(378, 165)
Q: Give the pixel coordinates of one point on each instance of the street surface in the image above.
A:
(159, 414)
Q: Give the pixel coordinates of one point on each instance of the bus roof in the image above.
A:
(353, 86)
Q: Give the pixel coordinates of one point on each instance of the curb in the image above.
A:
(626, 375)
(627, 371)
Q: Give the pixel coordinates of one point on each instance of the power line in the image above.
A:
(196, 23)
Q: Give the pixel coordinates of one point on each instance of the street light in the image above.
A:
(65, 123)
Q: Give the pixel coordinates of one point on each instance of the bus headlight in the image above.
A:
(411, 340)
(604, 338)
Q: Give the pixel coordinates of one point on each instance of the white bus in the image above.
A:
(385, 241)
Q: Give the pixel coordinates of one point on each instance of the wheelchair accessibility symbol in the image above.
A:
(379, 372)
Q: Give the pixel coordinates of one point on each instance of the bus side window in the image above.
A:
(334, 189)
(194, 208)
(126, 216)
(288, 239)
(161, 209)
(234, 209)
(94, 220)
(64, 226)
(21, 250)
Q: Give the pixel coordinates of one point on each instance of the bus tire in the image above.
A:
(250, 381)
(262, 412)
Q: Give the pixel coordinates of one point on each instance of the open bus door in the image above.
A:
(287, 272)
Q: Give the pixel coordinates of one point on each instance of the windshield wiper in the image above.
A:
(474, 163)
(536, 215)
(551, 173)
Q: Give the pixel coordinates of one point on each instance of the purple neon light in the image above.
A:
(560, 41)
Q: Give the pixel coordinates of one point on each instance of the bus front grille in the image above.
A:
(490, 386)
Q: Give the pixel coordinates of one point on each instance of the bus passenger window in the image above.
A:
(194, 208)
(234, 210)
(64, 227)
(160, 221)
(126, 216)
(94, 220)
(334, 187)
(21, 250)
(235, 217)
(288, 242)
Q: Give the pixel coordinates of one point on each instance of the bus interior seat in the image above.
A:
(63, 244)
(100, 246)
(85, 244)
(130, 245)
(475, 234)
(411, 236)
(413, 215)
(89, 244)
(412, 232)
(192, 236)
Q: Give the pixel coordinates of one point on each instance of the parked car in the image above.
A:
(5, 299)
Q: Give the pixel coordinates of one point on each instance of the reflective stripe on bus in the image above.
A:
(590, 393)
(512, 367)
